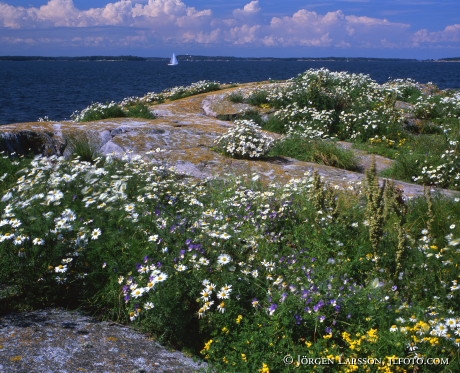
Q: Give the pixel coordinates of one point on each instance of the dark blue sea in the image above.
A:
(33, 89)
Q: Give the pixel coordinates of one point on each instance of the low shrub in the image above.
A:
(138, 110)
(250, 275)
(236, 97)
(84, 145)
(98, 111)
(203, 86)
(274, 124)
(245, 140)
(317, 151)
(258, 97)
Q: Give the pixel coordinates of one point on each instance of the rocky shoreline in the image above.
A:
(58, 340)
(185, 131)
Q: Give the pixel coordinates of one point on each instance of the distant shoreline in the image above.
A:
(193, 58)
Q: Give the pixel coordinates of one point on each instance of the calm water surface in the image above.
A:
(33, 89)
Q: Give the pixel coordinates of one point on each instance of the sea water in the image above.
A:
(33, 89)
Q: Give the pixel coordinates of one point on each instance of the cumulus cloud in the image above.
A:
(152, 22)
(122, 13)
(250, 9)
(331, 29)
(449, 34)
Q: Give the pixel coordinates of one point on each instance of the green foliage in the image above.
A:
(242, 272)
(139, 110)
(236, 97)
(317, 151)
(245, 140)
(252, 115)
(258, 97)
(406, 90)
(98, 111)
(429, 159)
(84, 145)
(320, 104)
(178, 92)
(9, 166)
(203, 86)
(129, 108)
(273, 124)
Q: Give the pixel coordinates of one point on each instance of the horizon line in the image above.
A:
(128, 56)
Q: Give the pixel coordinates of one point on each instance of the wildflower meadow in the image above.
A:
(303, 276)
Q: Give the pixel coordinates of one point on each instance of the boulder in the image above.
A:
(26, 141)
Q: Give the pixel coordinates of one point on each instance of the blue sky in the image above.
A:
(249, 28)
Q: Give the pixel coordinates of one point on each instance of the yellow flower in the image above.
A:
(372, 335)
(264, 369)
(243, 356)
(327, 336)
(239, 318)
(422, 327)
(207, 345)
(225, 330)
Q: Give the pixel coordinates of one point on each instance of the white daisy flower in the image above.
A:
(38, 241)
(148, 306)
(96, 233)
(224, 259)
(205, 294)
(221, 307)
(60, 268)
(181, 268)
(136, 293)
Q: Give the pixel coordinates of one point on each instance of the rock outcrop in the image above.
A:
(185, 130)
(58, 340)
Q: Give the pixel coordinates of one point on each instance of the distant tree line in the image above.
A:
(187, 57)
(80, 58)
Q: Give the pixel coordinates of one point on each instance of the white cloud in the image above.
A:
(250, 9)
(244, 34)
(449, 34)
(57, 12)
(153, 22)
(332, 29)
(11, 16)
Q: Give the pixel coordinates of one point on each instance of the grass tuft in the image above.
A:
(317, 151)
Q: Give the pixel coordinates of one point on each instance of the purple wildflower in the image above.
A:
(298, 319)
(272, 309)
(283, 297)
(318, 306)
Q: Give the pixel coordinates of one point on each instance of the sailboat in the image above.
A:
(173, 61)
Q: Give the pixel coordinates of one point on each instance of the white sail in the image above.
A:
(173, 61)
